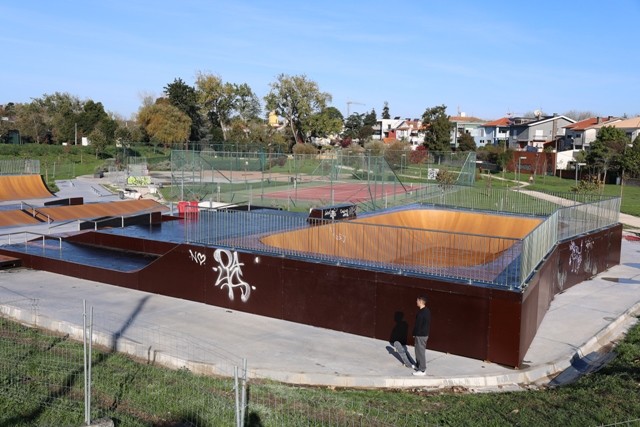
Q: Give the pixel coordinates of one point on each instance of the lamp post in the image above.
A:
(520, 169)
(577, 171)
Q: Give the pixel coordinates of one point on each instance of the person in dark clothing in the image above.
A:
(421, 334)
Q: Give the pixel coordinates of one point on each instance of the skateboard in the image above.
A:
(402, 352)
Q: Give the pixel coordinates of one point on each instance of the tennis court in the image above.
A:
(340, 192)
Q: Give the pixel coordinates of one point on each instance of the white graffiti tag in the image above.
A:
(575, 258)
(198, 257)
(230, 274)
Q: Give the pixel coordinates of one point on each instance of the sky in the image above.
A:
(484, 58)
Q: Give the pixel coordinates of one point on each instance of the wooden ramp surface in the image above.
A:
(437, 238)
(23, 187)
(99, 210)
(16, 217)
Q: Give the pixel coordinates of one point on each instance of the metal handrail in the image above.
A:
(25, 233)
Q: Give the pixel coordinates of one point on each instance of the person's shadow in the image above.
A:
(399, 334)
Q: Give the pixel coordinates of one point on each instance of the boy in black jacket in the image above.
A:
(421, 334)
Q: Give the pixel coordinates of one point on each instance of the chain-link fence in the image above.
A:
(138, 374)
(298, 182)
(19, 167)
(142, 375)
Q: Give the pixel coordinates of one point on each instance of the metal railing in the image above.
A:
(22, 237)
(474, 258)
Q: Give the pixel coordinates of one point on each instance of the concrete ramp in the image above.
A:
(23, 187)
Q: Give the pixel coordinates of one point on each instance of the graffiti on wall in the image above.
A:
(197, 257)
(230, 274)
(575, 256)
(579, 255)
(229, 271)
(139, 181)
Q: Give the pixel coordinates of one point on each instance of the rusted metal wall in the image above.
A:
(472, 321)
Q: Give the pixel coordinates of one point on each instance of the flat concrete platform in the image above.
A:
(584, 319)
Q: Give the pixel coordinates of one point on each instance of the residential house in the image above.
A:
(495, 132)
(410, 130)
(581, 134)
(535, 134)
(631, 127)
(467, 124)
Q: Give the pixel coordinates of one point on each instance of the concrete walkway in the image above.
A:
(582, 320)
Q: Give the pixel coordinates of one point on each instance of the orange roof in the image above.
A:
(504, 121)
(591, 121)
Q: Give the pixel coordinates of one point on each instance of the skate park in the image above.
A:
(489, 306)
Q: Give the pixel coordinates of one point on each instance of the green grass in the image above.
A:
(630, 194)
(41, 384)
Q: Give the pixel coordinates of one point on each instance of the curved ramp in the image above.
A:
(22, 187)
(427, 237)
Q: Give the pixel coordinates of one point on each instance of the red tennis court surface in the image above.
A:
(341, 192)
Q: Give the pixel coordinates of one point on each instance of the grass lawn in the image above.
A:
(630, 194)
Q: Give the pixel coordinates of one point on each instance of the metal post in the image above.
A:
(237, 390)
(86, 374)
(243, 406)
(89, 366)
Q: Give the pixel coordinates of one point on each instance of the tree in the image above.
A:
(31, 121)
(92, 113)
(606, 152)
(325, 123)
(215, 99)
(631, 158)
(296, 99)
(222, 102)
(61, 113)
(184, 97)
(165, 123)
(438, 129)
(246, 103)
(466, 142)
(99, 141)
(93, 117)
(385, 111)
(352, 126)
(368, 122)
(579, 115)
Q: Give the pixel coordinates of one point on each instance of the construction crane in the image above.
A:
(349, 106)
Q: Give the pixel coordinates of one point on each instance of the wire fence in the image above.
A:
(276, 179)
(105, 366)
(19, 167)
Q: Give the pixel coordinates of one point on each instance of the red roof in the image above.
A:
(591, 121)
(583, 124)
(500, 122)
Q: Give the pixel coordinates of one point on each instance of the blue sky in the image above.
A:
(486, 58)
